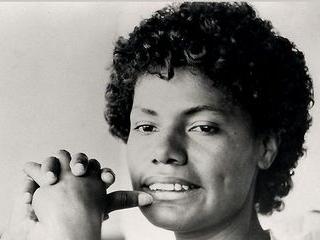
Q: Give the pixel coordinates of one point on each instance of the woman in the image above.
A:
(213, 106)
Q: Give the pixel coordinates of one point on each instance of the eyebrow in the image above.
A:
(146, 110)
(197, 109)
(187, 112)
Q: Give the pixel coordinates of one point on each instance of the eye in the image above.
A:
(205, 129)
(146, 128)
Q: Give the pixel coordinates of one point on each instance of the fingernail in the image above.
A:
(107, 177)
(78, 168)
(144, 199)
(27, 197)
(50, 176)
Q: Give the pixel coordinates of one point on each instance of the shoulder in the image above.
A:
(307, 236)
(303, 227)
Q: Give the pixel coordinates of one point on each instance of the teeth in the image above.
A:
(185, 187)
(177, 187)
(169, 187)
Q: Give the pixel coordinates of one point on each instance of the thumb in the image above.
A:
(127, 199)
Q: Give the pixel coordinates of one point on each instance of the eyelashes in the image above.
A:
(204, 128)
(146, 128)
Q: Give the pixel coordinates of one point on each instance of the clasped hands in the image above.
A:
(65, 198)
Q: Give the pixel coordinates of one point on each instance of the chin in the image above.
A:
(168, 217)
(183, 219)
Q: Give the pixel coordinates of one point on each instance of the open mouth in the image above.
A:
(170, 187)
(171, 190)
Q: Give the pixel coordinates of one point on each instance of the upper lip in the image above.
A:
(147, 181)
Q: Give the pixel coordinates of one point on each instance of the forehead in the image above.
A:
(185, 89)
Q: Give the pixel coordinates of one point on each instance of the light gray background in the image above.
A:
(53, 71)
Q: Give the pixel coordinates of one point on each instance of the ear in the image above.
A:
(270, 145)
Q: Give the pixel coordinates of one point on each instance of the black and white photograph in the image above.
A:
(153, 120)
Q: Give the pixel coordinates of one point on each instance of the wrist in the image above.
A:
(73, 229)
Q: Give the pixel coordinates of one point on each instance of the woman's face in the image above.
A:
(193, 151)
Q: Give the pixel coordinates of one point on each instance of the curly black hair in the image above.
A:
(244, 57)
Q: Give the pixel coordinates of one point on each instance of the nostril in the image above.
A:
(165, 161)
(171, 161)
(155, 161)
(168, 152)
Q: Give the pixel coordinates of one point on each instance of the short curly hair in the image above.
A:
(243, 56)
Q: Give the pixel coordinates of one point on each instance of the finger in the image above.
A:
(126, 199)
(50, 168)
(33, 170)
(22, 209)
(65, 158)
(94, 167)
(79, 164)
(107, 176)
(29, 187)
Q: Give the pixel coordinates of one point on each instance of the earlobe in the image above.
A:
(270, 150)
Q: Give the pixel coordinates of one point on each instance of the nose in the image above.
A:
(170, 148)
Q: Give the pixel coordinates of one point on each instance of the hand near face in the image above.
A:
(74, 207)
(70, 209)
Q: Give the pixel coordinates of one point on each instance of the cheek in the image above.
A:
(224, 167)
(238, 181)
(140, 148)
(236, 170)
(137, 156)
(132, 161)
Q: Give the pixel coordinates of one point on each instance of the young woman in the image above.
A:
(213, 106)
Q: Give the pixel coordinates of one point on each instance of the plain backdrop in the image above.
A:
(54, 60)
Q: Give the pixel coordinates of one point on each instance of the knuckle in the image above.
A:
(79, 158)
(105, 171)
(94, 165)
(49, 161)
(81, 155)
(109, 170)
(65, 153)
(95, 161)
